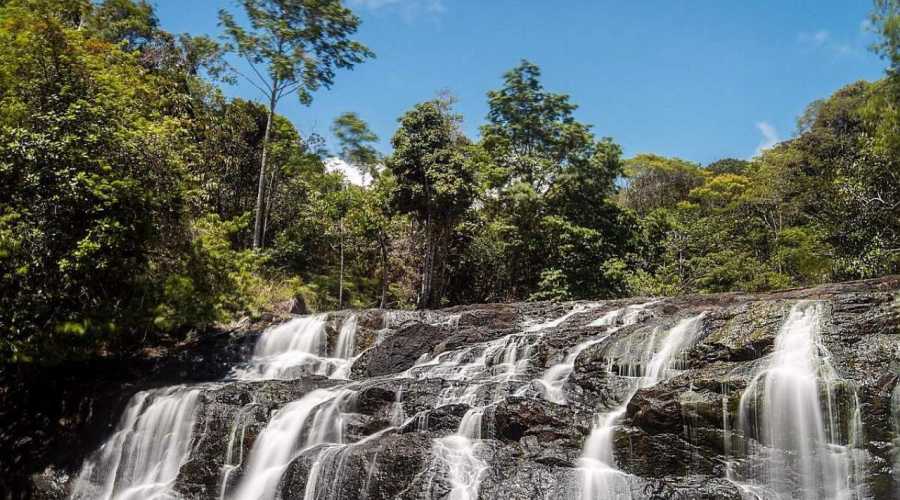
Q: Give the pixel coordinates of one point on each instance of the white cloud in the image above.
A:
(351, 173)
(769, 137)
(816, 39)
(374, 4)
(865, 26)
(409, 9)
(846, 46)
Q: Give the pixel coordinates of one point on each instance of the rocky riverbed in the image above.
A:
(718, 396)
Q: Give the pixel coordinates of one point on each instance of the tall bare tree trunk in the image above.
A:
(384, 272)
(341, 278)
(269, 202)
(428, 265)
(260, 193)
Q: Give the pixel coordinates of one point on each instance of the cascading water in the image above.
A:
(498, 364)
(234, 453)
(260, 434)
(601, 479)
(797, 450)
(142, 458)
(553, 380)
(895, 413)
(459, 455)
(346, 342)
(299, 347)
(312, 420)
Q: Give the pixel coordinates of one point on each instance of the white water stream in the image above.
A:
(492, 370)
(142, 458)
(312, 420)
(804, 420)
(804, 446)
(601, 478)
(299, 347)
(895, 413)
(554, 378)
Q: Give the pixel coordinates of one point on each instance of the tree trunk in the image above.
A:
(341, 277)
(269, 202)
(260, 193)
(384, 272)
(428, 265)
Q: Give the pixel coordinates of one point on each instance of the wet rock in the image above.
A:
(400, 351)
(674, 439)
(442, 420)
(385, 468)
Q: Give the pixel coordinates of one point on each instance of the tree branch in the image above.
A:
(249, 80)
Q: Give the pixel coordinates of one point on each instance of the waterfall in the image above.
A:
(601, 479)
(142, 458)
(793, 432)
(234, 453)
(798, 450)
(312, 420)
(299, 347)
(346, 348)
(500, 363)
(895, 413)
(346, 343)
(458, 454)
(554, 378)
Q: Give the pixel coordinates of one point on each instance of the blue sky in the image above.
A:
(696, 79)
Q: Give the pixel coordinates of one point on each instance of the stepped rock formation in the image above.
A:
(793, 394)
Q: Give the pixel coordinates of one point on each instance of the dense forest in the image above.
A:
(139, 204)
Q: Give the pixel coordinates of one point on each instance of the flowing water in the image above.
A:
(299, 347)
(493, 370)
(803, 446)
(314, 419)
(458, 454)
(895, 413)
(645, 364)
(554, 378)
(798, 431)
(142, 458)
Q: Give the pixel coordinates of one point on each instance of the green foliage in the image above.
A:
(824, 206)
(131, 23)
(548, 224)
(301, 42)
(130, 181)
(89, 186)
(123, 216)
(654, 182)
(531, 133)
(217, 282)
(355, 139)
(553, 285)
(435, 182)
(885, 22)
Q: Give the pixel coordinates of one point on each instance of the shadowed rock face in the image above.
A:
(419, 376)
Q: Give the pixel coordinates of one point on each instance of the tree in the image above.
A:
(132, 23)
(885, 22)
(730, 165)
(355, 140)
(372, 221)
(435, 182)
(550, 180)
(354, 137)
(653, 181)
(590, 231)
(302, 43)
(531, 132)
(90, 187)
